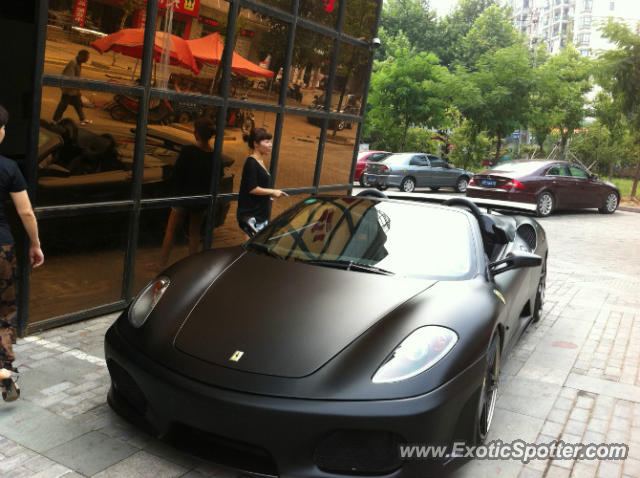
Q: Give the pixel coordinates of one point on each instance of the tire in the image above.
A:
(610, 203)
(461, 184)
(184, 117)
(540, 292)
(545, 204)
(488, 391)
(408, 185)
(119, 113)
(435, 188)
(381, 188)
(247, 125)
(341, 124)
(361, 181)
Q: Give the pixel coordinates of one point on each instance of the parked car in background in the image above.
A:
(410, 170)
(361, 165)
(550, 185)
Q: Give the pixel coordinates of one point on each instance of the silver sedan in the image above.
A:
(410, 170)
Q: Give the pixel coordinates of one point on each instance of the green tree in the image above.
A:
(455, 26)
(470, 146)
(619, 72)
(491, 31)
(411, 17)
(407, 90)
(495, 97)
(558, 97)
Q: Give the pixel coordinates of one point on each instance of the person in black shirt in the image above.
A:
(255, 194)
(191, 177)
(12, 184)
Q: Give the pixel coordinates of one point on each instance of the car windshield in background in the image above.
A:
(525, 167)
(367, 235)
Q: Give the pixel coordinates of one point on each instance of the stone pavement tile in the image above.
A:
(54, 471)
(584, 470)
(604, 387)
(557, 472)
(529, 397)
(631, 467)
(25, 423)
(529, 472)
(91, 453)
(509, 426)
(142, 465)
(38, 463)
(211, 470)
(609, 469)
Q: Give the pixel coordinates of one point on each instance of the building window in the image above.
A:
(584, 38)
(588, 4)
(612, 6)
(584, 52)
(586, 22)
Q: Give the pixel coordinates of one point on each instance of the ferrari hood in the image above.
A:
(284, 318)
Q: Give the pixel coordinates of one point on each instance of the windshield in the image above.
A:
(367, 235)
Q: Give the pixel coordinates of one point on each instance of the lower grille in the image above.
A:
(528, 234)
(359, 452)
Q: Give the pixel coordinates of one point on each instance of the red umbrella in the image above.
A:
(209, 50)
(130, 42)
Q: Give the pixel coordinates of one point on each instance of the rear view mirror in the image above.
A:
(515, 261)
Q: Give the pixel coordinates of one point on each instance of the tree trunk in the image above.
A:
(404, 133)
(634, 188)
(563, 143)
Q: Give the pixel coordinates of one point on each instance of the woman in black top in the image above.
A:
(12, 184)
(191, 177)
(255, 194)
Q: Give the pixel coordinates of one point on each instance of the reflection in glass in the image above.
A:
(259, 55)
(298, 150)
(353, 66)
(179, 158)
(81, 162)
(235, 149)
(309, 73)
(284, 203)
(228, 234)
(85, 260)
(324, 12)
(338, 153)
(166, 236)
(360, 19)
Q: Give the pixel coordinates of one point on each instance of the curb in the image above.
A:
(629, 208)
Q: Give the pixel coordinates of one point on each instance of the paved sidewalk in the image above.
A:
(574, 376)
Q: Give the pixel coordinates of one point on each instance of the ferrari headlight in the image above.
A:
(415, 354)
(146, 300)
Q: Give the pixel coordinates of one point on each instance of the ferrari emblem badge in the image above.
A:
(500, 296)
(237, 355)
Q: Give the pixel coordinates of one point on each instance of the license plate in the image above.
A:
(488, 182)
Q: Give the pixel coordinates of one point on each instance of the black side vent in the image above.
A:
(527, 233)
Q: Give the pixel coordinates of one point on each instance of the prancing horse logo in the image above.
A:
(237, 355)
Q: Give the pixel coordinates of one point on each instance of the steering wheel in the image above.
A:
(373, 193)
(475, 210)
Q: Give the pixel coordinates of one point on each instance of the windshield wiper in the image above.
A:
(263, 248)
(350, 266)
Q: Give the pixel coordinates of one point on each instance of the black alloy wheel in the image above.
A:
(489, 390)
(540, 292)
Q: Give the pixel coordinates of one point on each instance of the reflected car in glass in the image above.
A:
(550, 185)
(363, 158)
(409, 171)
(346, 327)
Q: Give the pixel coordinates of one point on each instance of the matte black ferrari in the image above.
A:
(346, 328)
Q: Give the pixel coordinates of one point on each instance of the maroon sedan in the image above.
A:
(550, 185)
(363, 158)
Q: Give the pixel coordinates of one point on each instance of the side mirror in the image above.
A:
(515, 261)
(593, 177)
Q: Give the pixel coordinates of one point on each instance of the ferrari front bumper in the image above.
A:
(275, 436)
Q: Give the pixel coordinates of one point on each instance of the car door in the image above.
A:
(558, 180)
(420, 169)
(441, 174)
(586, 192)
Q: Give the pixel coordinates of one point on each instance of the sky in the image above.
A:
(443, 6)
